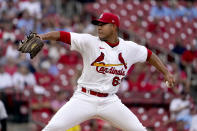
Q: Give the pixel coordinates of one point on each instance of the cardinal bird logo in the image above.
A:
(122, 60)
(98, 61)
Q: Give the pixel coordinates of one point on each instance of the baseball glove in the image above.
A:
(32, 44)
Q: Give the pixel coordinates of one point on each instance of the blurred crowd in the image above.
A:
(49, 80)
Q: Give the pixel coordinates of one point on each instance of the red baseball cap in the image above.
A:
(107, 18)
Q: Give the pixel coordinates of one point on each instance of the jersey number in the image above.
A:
(116, 81)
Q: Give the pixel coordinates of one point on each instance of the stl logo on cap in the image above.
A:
(100, 16)
(107, 18)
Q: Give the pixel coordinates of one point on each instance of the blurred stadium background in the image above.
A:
(33, 90)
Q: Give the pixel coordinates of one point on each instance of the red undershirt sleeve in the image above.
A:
(149, 54)
(65, 37)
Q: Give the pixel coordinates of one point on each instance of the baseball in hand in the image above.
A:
(167, 84)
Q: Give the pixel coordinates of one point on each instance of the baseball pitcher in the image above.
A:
(106, 60)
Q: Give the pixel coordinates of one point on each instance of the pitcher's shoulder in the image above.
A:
(90, 35)
(85, 35)
(129, 43)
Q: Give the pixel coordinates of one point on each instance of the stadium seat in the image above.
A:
(112, 6)
(102, 2)
(139, 111)
(119, 2)
(41, 117)
(128, 6)
(145, 120)
(171, 127)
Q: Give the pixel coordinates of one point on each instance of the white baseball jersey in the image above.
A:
(105, 66)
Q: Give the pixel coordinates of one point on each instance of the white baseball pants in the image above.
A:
(82, 107)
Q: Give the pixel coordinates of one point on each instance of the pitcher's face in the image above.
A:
(105, 30)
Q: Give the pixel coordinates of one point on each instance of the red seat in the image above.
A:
(160, 128)
(112, 6)
(138, 110)
(123, 12)
(128, 6)
(194, 25)
(157, 124)
(102, 2)
(126, 23)
(157, 113)
(119, 2)
(168, 97)
(145, 120)
(41, 117)
(146, 7)
(171, 126)
(134, 110)
(138, 97)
